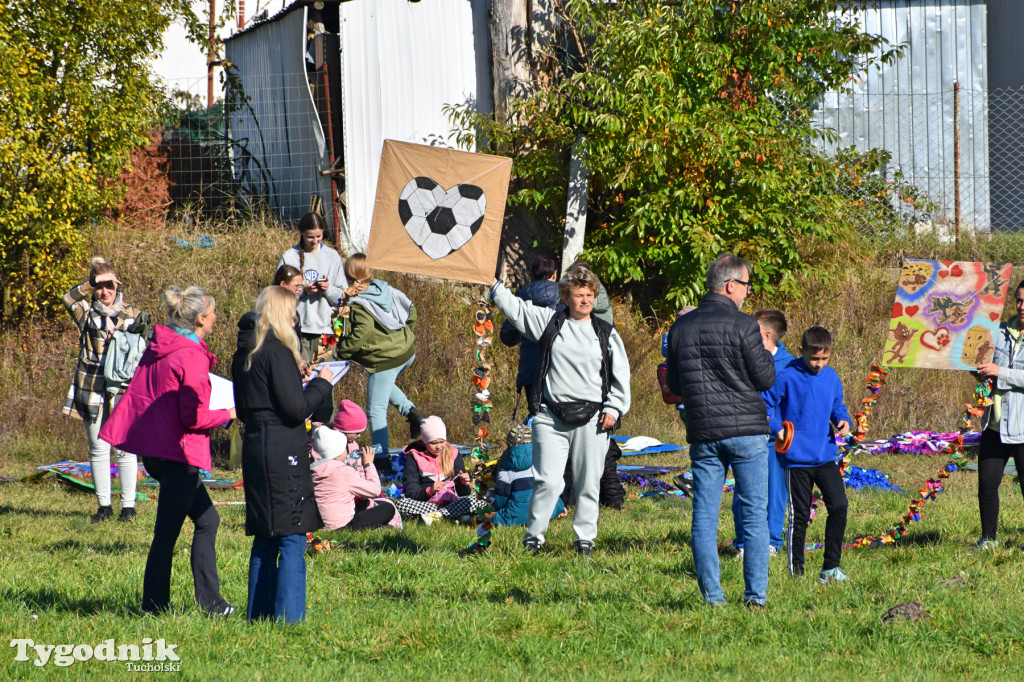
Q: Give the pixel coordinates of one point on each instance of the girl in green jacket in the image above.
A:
(380, 338)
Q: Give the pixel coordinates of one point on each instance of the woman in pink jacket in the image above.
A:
(164, 417)
(344, 478)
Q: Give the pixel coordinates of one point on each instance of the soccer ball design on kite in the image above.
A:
(441, 221)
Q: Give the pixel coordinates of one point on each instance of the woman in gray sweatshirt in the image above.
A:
(581, 390)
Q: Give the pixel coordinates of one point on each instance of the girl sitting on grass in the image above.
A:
(435, 481)
(345, 481)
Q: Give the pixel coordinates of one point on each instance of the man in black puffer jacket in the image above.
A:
(718, 364)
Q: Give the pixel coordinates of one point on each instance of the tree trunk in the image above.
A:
(510, 69)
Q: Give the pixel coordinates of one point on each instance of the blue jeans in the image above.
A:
(748, 457)
(778, 502)
(380, 392)
(277, 578)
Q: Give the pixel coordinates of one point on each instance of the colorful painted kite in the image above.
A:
(946, 314)
(438, 212)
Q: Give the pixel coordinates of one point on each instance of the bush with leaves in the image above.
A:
(76, 97)
(694, 119)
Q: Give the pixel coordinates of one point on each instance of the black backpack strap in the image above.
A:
(533, 399)
(604, 335)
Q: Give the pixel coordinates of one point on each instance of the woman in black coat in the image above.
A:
(279, 504)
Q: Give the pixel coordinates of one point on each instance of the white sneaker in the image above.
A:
(739, 554)
(773, 550)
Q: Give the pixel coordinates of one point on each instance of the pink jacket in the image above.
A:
(337, 485)
(165, 411)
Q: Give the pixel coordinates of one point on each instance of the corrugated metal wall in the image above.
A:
(907, 108)
(402, 62)
(279, 145)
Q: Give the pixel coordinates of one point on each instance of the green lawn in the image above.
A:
(404, 605)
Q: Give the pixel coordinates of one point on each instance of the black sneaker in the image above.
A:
(531, 546)
(102, 514)
(584, 547)
(684, 484)
(415, 419)
(127, 514)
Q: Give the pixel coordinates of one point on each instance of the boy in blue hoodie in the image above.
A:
(773, 327)
(809, 394)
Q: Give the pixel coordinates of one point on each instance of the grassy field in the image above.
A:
(405, 605)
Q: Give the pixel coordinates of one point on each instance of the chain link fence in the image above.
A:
(944, 178)
(951, 165)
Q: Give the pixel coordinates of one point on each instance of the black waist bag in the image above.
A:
(575, 413)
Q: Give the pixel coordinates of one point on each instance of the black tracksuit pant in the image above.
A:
(800, 481)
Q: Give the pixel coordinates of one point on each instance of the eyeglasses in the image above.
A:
(750, 288)
(105, 285)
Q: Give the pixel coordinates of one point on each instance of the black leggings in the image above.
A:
(182, 494)
(377, 516)
(992, 457)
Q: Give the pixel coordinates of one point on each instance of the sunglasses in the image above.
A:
(749, 287)
(106, 285)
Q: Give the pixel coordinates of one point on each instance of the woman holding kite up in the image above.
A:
(1002, 425)
(581, 390)
(379, 337)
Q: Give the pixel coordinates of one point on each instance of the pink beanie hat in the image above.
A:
(432, 428)
(350, 418)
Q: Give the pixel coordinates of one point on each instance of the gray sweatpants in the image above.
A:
(587, 447)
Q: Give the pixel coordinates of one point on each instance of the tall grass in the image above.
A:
(849, 296)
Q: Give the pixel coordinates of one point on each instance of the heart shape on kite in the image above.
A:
(441, 221)
(911, 310)
(936, 340)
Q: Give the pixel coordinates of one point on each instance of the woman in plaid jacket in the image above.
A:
(98, 310)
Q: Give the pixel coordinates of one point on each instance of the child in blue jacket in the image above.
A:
(809, 394)
(514, 487)
(773, 327)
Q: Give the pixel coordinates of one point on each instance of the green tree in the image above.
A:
(695, 122)
(76, 96)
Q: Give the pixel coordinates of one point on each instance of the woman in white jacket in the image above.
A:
(1002, 426)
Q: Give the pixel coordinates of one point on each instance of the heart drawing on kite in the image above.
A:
(936, 340)
(441, 221)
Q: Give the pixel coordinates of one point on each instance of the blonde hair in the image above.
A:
(275, 310)
(356, 268)
(184, 306)
(98, 265)
(447, 460)
(577, 276)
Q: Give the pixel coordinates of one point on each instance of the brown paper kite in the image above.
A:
(438, 212)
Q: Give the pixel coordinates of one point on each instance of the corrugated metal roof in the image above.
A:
(285, 11)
